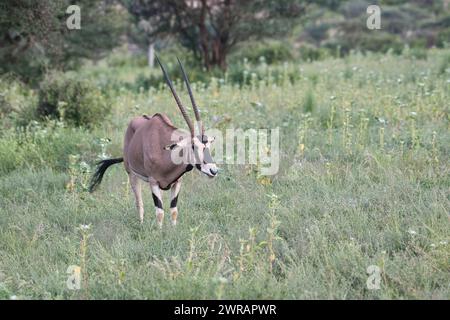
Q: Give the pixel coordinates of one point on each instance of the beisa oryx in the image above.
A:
(149, 146)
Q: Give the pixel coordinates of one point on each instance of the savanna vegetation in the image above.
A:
(363, 182)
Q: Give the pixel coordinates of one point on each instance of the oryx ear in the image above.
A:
(171, 146)
(181, 144)
(210, 141)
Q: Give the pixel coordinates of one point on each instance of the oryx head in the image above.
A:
(196, 147)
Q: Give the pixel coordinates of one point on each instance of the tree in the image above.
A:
(34, 36)
(211, 28)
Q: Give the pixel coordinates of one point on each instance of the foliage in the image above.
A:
(264, 51)
(35, 37)
(343, 29)
(75, 100)
(38, 145)
(210, 29)
(17, 102)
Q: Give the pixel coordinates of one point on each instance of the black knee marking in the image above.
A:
(174, 201)
(157, 201)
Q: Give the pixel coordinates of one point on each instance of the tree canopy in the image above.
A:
(34, 35)
(211, 28)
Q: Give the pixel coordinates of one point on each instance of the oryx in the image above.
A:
(149, 146)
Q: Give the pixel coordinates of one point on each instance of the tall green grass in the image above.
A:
(363, 180)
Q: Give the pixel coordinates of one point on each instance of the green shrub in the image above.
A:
(311, 53)
(416, 53)
(365, 41)
(47, 144)
(443, 38)
(270, 52)
(17, 102)
(309, 102)
(444, 65)
(10, 155)
(195, 73)
(76, 101)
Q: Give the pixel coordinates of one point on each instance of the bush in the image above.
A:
(415, 53)
(194, 72)
(17, 102)
(47, 144)
(76, 101)
(270, 52)
(311, 53)
(444, 65)
(365, 41)
(443, 38)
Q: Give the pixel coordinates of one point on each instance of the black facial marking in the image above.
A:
(174, 201)
(156, 201)
(198, 166)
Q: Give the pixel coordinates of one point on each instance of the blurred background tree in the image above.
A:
(418, 24)
(211, 28)
(34, 37)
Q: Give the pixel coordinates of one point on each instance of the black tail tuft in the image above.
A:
(100, 171)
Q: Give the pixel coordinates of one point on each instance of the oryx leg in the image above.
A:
(136, 187)
(157, 200)
(174, 190)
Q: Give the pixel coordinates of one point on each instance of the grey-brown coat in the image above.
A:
(150, 147)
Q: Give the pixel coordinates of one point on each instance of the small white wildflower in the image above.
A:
(383, 252)
(352, 239)
(433, 245)
(443, 243)
(381, 120)
(85, 227)
(412, 232)
(13, 297)
(222, 280)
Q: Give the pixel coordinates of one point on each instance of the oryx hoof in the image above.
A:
(160, 218)
(174, 215)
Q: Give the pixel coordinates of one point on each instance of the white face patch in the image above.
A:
(204, 161)
(197, 154)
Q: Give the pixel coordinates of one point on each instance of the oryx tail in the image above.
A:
(100, 171)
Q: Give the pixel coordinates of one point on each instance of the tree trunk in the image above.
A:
(213, 47)
(204, 36)
(219, 53)
(151, 55)
(223, 60)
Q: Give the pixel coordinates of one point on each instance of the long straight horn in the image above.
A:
(194, 105)
(174, 93)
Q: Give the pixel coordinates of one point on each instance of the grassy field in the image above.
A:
(363, 181)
